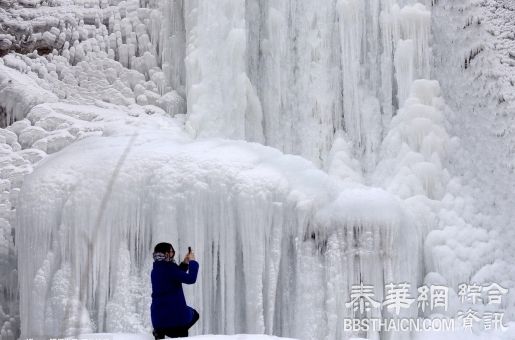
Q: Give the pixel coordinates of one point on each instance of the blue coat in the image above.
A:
(168, 308)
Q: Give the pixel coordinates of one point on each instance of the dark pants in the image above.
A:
(176, 332)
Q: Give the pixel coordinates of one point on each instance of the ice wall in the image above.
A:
(275, 236)
(289, 74)
(331, 81)
(473, 62)
(294, 72)
(221, 99)
(19, 93)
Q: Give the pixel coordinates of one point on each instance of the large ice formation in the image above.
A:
(275, 235)
(299, 146)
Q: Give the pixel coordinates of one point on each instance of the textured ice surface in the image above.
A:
(334, 82)
(274, 234)
(18, 94)
(285, 73)
(473, 61)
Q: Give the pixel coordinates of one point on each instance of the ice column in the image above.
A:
(168, 34)
(292, 74)
(279, 242)
(296, 69)
(378, 65)
(404, 67)
(406, 34)
(221, 100)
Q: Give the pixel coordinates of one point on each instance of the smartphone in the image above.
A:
(189, 250)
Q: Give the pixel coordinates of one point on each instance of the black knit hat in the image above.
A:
(163, 247)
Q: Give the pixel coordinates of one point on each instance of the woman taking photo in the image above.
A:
(170, 314)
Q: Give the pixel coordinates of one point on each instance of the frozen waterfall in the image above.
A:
(275, 235)
(279, 242)
(297, 145)
(290, 73)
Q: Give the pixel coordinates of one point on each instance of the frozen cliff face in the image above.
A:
(288, 74)
(474, 63)
(275, 236)
(303, 70)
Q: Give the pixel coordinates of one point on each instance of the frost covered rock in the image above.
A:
(10, 137)
(54, 142)
(30, 135)
(53, 121)
(18, 126)
(32, 155)
(18, 94)
(172, 103)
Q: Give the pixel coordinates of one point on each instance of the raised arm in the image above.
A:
(188, 277)
(183, 266)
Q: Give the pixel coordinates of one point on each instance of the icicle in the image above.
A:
(217, 83)
(269, 231)
(404, 69)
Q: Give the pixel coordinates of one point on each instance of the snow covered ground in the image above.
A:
(423, 336)
(291, 143)
(129, 336)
